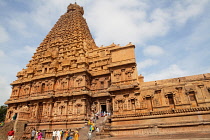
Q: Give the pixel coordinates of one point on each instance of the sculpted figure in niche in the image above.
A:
(117, 75)
(33, 112)
(177, 100)
(9, 114)
(133, 106)
(26, 90)
(55, 109)
(129, 73)
(125, 104)
(115, 106)
(50, 85)
(15, 91)
(94, 107)
(137, 104)
(156, 102)
(62, 110)
(120, 106)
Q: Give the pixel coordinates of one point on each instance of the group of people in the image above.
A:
(36, 135)
(56, 135)
(67, 135)
(92, 127)
(104, 113)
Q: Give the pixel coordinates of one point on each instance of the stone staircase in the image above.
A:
(18, 127)
(4, 130)
(103, 125)
(83, 132)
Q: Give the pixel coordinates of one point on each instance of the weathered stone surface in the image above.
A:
(69, 79)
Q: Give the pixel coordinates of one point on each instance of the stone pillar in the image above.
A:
(84, 111)
(108, 105)
(201, 93)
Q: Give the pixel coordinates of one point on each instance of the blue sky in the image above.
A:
(172, 37)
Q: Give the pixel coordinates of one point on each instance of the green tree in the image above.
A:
(3, 111)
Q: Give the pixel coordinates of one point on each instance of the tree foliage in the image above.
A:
(3, 111)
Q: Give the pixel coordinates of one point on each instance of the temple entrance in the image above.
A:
(103, 108)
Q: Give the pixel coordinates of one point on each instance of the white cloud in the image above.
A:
(19, 24)
(153, 51)
(147, 63)
(4, 36)
(184, 10)
(2, 54)
(5, 89)
(30, 49)
(52, 9)
(172, 71)
(25, 51)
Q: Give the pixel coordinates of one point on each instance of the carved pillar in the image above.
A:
(70, 108)
(123, 74)
(51, 107)
(30, 86)
(68, 81)
(164, 98)
(84, 111)
(108, 105)
(201, 94)
(66, 107)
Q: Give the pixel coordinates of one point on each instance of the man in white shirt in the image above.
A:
(54, 135)
(58, 134)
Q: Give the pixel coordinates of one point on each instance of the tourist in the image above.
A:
(66, 134)
(36, 135)
(58, 134)
(1, 124)
(39, 135)
(97, 129)
(89, 135)
(62, 134)
(71, 134)
(93, 126)
(33, 133)
(89, 123)
(10, 134)
(14, 117)
(96, 116)
(54, 135)
(76, 135)
(91, 130)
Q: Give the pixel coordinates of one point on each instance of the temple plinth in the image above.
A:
(69, 79)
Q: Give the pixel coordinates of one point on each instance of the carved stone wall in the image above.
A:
(69, 79)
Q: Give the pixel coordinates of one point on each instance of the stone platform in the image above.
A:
(187, 136)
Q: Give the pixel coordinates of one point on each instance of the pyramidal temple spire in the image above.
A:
(70, 29)
(66, 45)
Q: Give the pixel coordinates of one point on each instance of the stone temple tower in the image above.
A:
(69, 79)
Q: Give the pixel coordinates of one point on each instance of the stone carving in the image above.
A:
(68, 74)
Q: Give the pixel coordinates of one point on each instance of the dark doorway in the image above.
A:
(103, 108)
(171, 100)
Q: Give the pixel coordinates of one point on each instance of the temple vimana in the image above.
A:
(70, 78)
